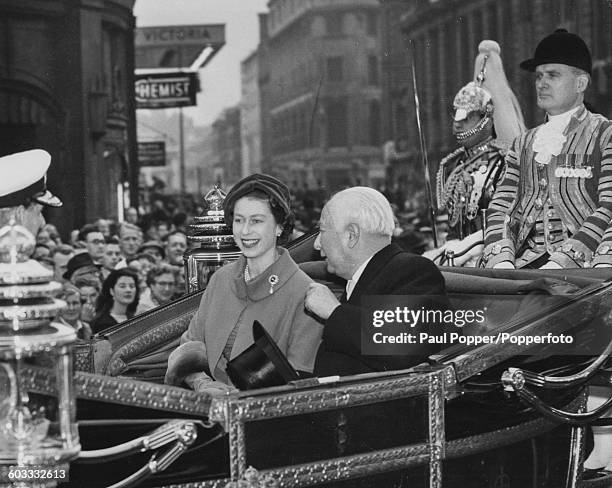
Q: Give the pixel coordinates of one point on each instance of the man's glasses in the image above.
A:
(166, 284)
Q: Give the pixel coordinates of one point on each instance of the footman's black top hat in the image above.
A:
(261, 365)
(561, 47)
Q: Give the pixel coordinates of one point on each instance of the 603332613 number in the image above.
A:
(36, 473)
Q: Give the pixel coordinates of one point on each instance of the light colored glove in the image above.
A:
(504, 265)
(471, 262)
(186, 359)
(551, 265)
(459, 246)
(320, 300)
(202, 383)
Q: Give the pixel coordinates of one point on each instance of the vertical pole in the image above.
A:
(577, 446)
(182, 150)
(423, 146)
(437, 438)
(199, 170)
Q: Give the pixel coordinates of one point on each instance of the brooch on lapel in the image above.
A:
(273, 280)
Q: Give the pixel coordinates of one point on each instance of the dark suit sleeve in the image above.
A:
(405, 274)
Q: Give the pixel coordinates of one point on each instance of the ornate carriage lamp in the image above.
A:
(217, 246)
(38, 433)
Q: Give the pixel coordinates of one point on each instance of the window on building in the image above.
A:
(372, 24)
(333, 24)
(113, 59)
(400, 121)
(335, 68)
(318, 26)
(570, 9)
(492, 21)
(374, 123)
(373, 70)
(337, 123)
(526, 10)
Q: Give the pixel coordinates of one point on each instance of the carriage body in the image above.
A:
(448, 422)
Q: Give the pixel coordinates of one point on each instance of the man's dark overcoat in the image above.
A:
(391, 271)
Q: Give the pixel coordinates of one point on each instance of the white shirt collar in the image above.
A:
(550, 138)
(560, 121)
(350, 284)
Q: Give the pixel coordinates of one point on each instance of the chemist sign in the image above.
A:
(165, 90)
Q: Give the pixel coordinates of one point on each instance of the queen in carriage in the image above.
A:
(264, 284)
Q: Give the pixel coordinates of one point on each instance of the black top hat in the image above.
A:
(77, 261)
(261, 365)
(560, 47)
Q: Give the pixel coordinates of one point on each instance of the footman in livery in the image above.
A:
(554, 207)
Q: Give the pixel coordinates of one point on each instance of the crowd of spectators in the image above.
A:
(111, 271)
(413, 230)
(149, 247)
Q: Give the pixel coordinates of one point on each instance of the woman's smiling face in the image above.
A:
(124, 290)
(254, 227)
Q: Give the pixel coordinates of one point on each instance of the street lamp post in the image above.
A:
(182, 150)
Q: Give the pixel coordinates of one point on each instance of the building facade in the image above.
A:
(320, 92)
(443, 37)
(227, 147)
(66, 84)
(200, 161)
(198, 156)
(250, 115)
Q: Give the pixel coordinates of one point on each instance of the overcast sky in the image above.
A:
(220, 79)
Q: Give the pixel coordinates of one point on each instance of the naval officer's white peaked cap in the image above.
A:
(23, 177)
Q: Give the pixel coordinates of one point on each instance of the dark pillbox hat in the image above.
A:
(561, 47)
(274, 188)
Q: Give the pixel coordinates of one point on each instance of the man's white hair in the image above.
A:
(363, 206)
